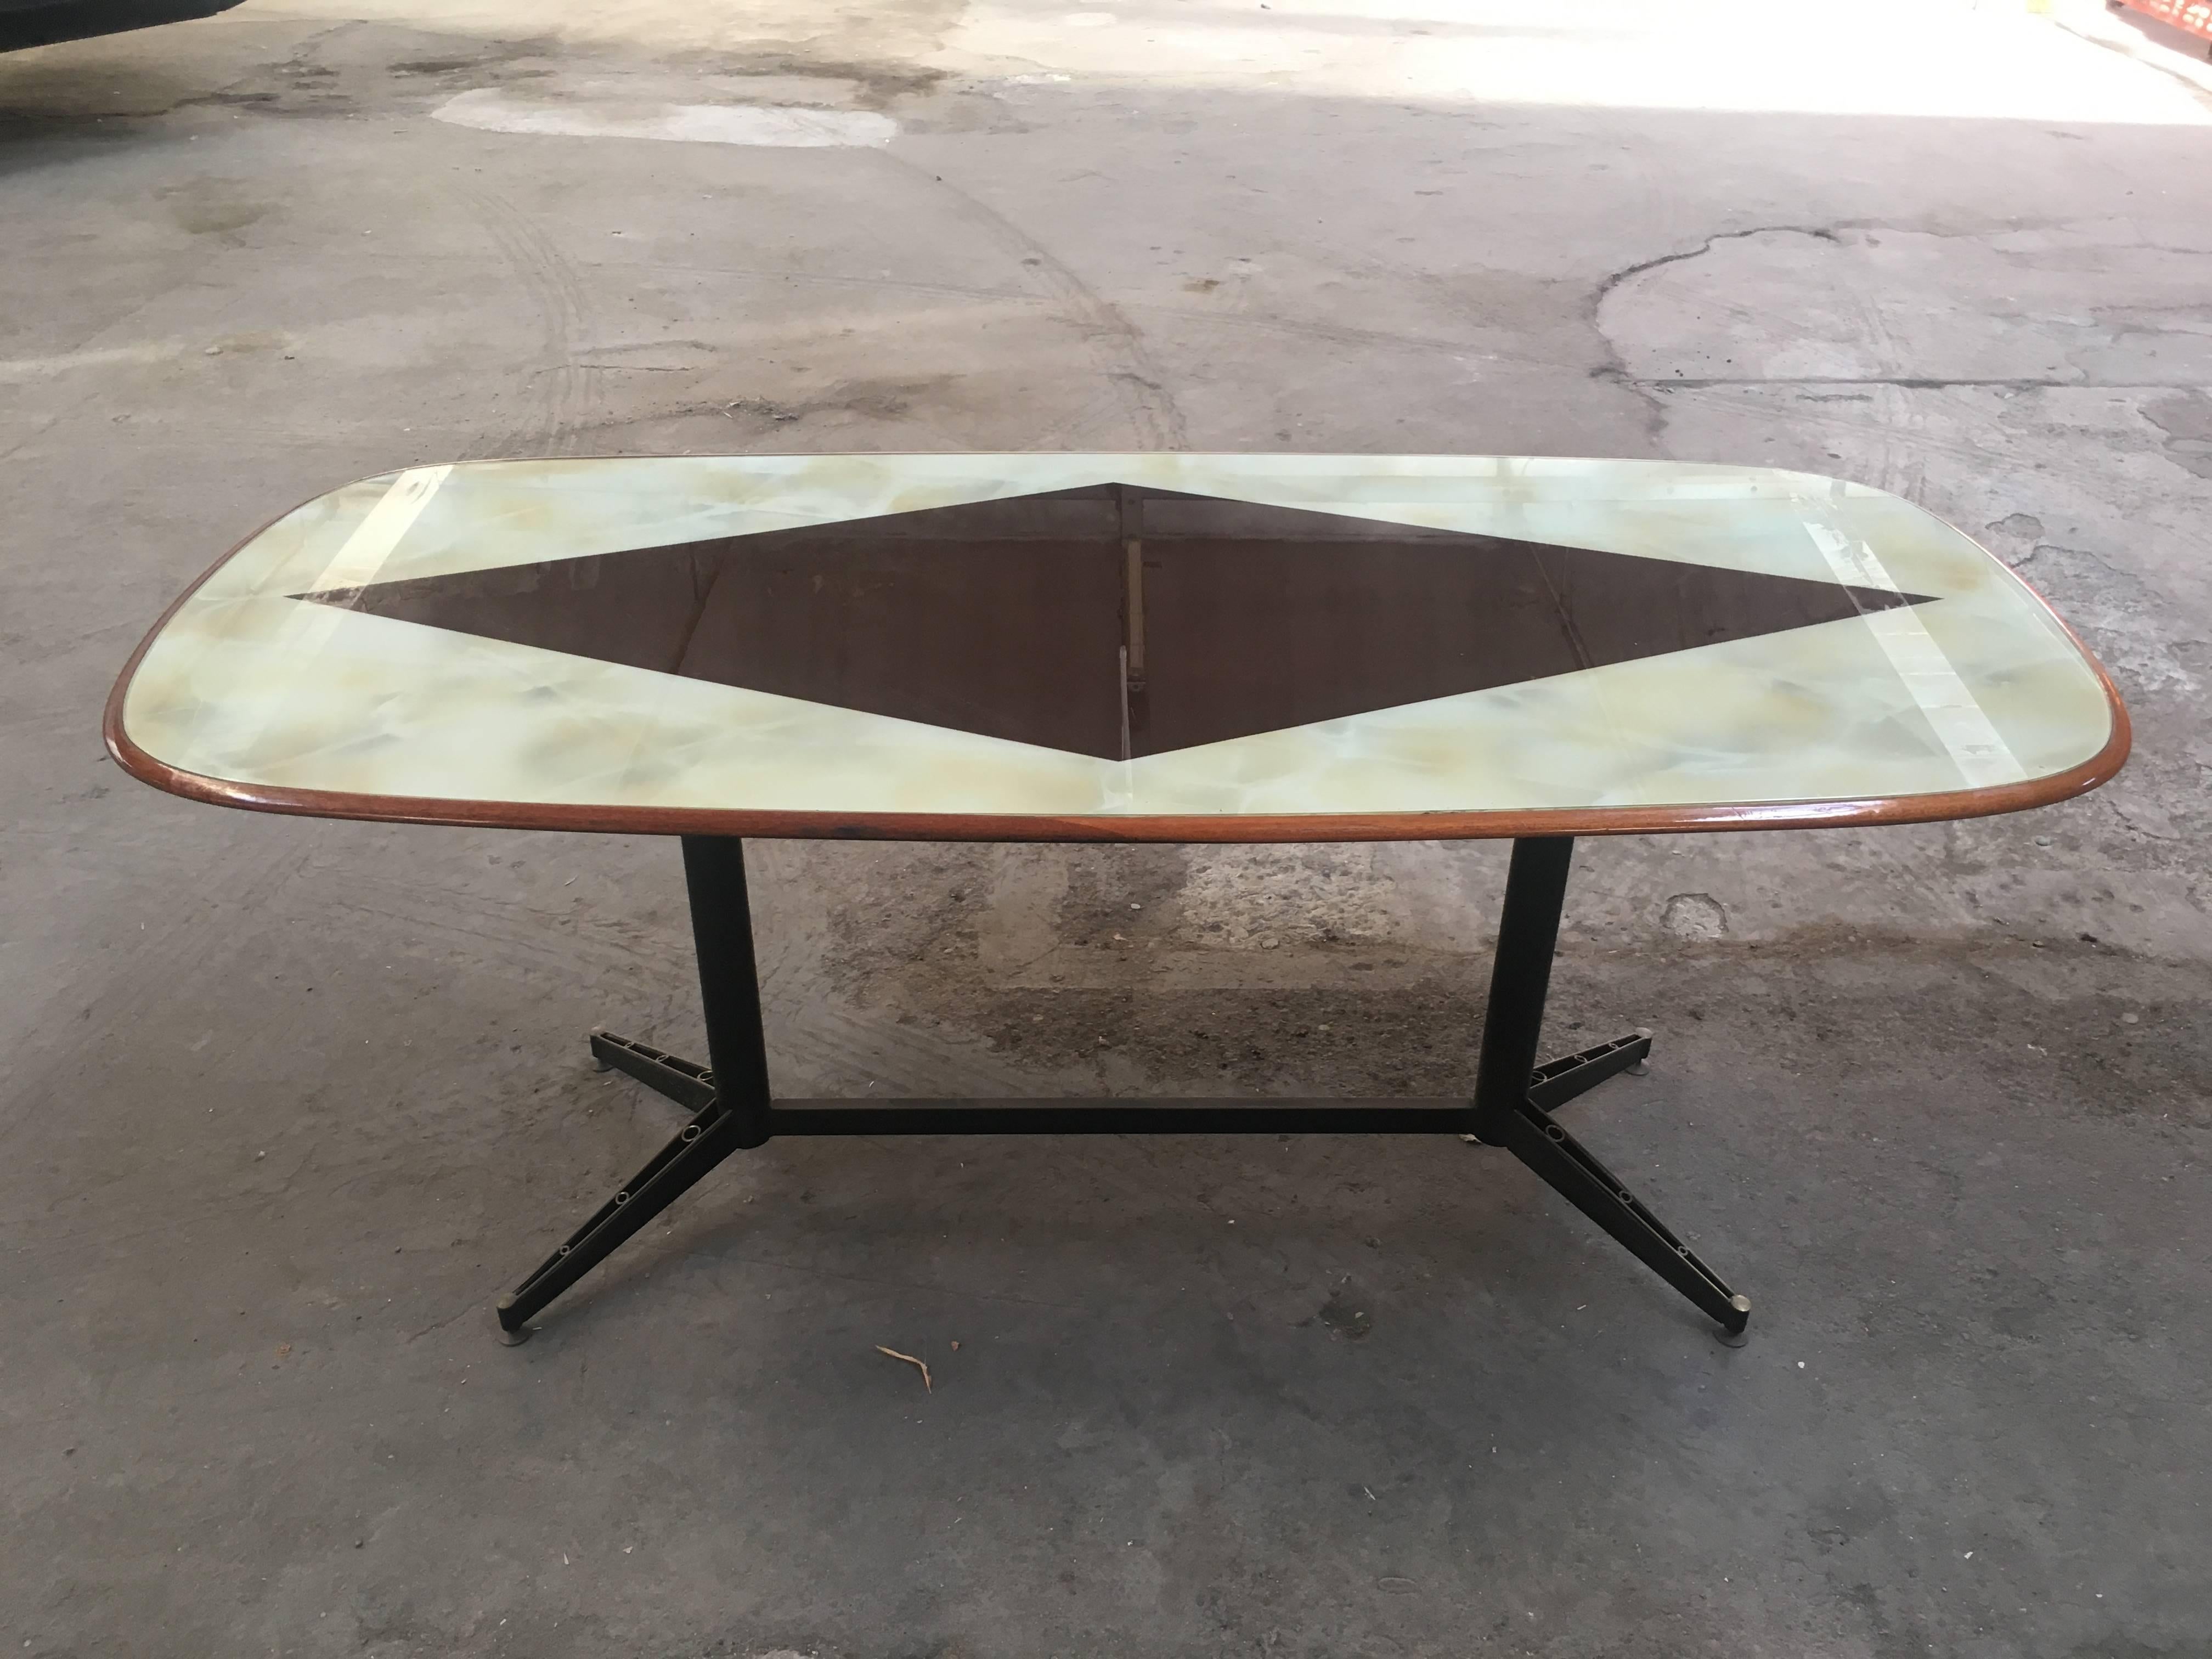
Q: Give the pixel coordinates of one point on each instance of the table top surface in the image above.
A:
(1142, 647)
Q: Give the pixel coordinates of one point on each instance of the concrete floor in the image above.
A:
(289, 1103)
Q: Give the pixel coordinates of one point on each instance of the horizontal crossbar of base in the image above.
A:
(1116, 1117)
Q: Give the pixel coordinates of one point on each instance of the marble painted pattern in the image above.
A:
(247, 686)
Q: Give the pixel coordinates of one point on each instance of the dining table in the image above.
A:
(1164, 648)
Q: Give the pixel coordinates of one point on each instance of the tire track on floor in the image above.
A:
(1136, 381)
(564, 395)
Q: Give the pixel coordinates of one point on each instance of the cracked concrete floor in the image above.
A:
(288, 1104)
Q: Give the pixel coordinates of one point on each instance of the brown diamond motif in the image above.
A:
(1116, 621)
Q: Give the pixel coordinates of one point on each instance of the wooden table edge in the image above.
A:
(602, 818)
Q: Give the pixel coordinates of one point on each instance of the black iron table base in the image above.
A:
(1514, 1097)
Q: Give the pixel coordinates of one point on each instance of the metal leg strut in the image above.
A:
(1556, 1082)
(1512, 1092)
(684, 1081)
(731, 1095)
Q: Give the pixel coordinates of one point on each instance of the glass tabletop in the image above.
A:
(1165, 647)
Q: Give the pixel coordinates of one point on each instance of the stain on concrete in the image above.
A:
(2106, 603)
(549, 111)
(2185, 418)
(731, 422)
(1660, 261)
(489, 60)
(1616, 368)
(882, 81)
(1341, 1313)
(1698, 918)
(207, 207)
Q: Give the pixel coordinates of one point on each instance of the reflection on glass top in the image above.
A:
(1112, 636)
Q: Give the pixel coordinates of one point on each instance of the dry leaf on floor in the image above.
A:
(912, 1361)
